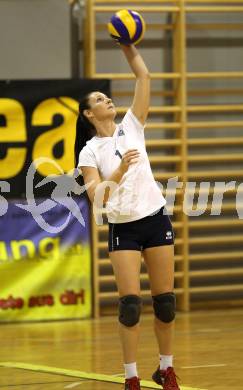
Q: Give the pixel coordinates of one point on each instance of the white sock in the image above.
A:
(130, 370)
(165, 361)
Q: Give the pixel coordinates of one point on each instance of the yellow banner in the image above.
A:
(44, 275)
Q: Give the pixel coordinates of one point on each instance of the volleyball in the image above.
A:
(127, 27)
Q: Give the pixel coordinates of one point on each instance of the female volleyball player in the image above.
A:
(134, 205)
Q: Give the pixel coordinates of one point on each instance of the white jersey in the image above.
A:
(137, 195)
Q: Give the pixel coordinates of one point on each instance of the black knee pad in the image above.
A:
(129, 310)
(164, 306)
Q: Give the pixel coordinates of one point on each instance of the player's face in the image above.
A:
(101, 106)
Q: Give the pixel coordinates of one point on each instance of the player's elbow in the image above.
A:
(144, 75)
(147, 75)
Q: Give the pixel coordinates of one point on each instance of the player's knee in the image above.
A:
(165, 306)
(129, 310)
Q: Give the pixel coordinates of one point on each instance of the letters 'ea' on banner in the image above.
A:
(38, 119)
(43, 275)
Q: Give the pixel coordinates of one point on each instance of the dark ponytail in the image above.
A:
(84, 128)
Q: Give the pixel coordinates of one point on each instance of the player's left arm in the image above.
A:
(141, 100)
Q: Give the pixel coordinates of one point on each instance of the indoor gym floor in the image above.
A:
(208, 352)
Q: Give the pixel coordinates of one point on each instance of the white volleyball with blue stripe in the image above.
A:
(127, 27)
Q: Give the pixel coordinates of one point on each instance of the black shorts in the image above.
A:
(153, 230)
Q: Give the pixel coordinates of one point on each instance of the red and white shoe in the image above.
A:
(166, 378)
(132, 383)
